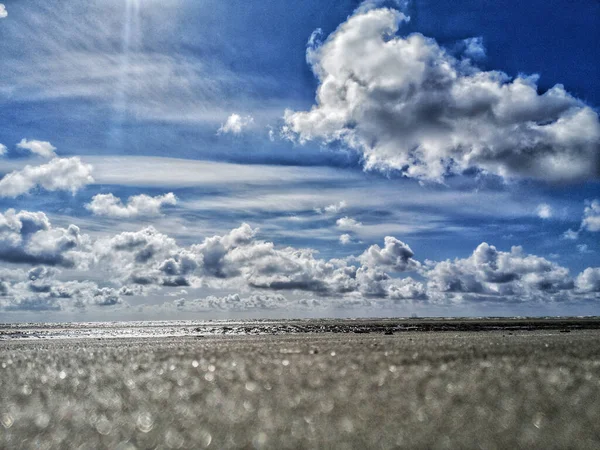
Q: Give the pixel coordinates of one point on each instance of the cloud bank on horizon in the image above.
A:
(420, 179)
(141, 262)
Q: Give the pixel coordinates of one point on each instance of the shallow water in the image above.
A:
(517, 388)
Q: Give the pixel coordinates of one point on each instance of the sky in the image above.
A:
(182, 159)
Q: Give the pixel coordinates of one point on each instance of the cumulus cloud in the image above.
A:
(238, 260)
(345, 239)
(589, 280)
(40, 148)
(145, 257)
(3, 12)
(3, 149)
(137, 205)
(544, 211)
(406, 104)
(232, 302)
(49, 294)
(591, 217)
(148, 261)
(348, 223)
(29, 238)
(334, 208)
(395, 255)
(235, 124)
(506, 276)
(474, 48)
(589, 222)
(60, 174)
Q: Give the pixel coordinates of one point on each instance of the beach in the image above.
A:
(510, 387)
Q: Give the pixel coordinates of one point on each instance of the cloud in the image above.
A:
(589, 280)
(345, 239)
(544, 211)
(232, 302)
(3, 12)
(570, 234)
(40, 148)
(589, 222)
(474, 48)
(238, 260)
(144, 257)
(492, 274)
(406, 104)
(235, 124)
(148, 262)
(347, 223)
(49, 294)
(60, 174)
(177, 172)
(29, 238)
(584, 248)
(3, 149)
(395, 255)
(334, 208)
(591, 217)
(137, 205)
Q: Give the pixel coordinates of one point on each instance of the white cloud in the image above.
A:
(137, 205)
(29, 238)
(584, 248)
(147, 262)
(474, 48)
(60, 174)
(395, 255)
(544, 211)
(345, 239)
(235, 124)
(177, 172)
(408, 105)
(347, 223)
(49, 294)
(334, 208)
(40, 148)
(3, 12)
(232, 302)
(3, 149)
(570, 234)
(589, 222)
(591, 217)
(589, 280)
(492, 274)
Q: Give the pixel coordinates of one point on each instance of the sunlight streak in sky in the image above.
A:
(132, 38)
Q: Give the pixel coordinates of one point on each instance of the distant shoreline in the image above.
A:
(388, 326)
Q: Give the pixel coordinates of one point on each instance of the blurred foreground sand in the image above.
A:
(523, 389)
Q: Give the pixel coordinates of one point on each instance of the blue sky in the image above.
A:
(182, 159)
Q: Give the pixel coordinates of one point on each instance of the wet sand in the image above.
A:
(510, 388)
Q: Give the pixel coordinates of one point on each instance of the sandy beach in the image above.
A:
(453, 389)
